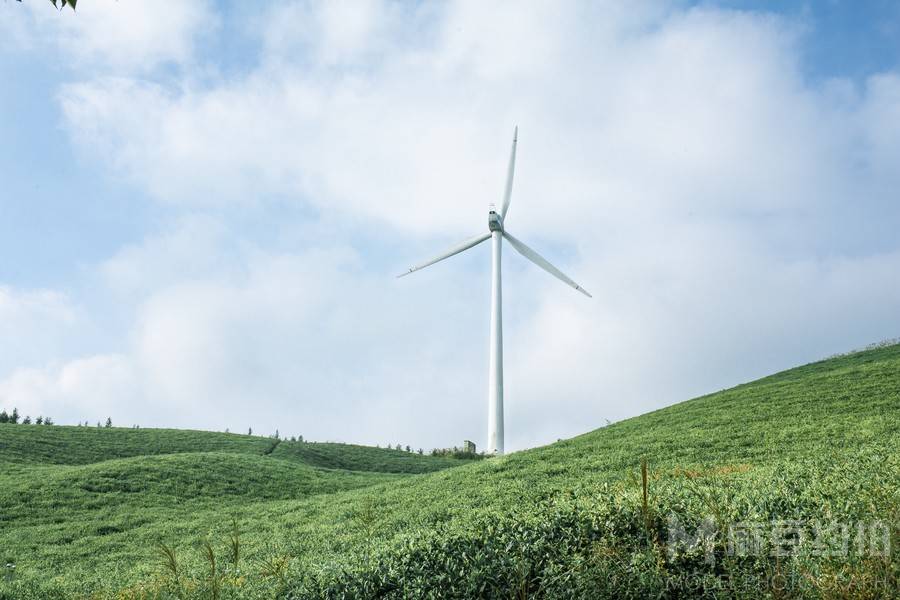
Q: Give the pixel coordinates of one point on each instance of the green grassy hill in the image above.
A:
(73, 496)
(361, 458)
(817, 446)
(83, 445)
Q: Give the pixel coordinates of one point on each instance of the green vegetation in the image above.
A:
(83, 445)
(223, 516)
(362, 458)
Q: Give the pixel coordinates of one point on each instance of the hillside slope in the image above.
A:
(351, 457)
(219, 478)
(71, 497)
(815, 444)
(62, 445)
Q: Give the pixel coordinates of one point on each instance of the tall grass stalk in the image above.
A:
(209, 554)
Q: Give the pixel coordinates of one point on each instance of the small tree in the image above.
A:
(39, 420)
(299, 438)
(48, 421)
(4, 418)
(14, 417)
(397, 447)
(276, 435)
(421, 451)
(108, 422)
(408, 449)
(249, 431)
(99, 425)
(26, 420)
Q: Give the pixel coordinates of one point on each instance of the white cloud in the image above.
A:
(880, 118)
(709, 102)
(16, 305)
(189, 249)
(94, 387)
(305, 342)
(328, 34)
(123, 36)
(35, 324)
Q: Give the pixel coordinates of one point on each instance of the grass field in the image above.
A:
(362, 458)
(94, 513)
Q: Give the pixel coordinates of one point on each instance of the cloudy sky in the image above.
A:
(203, 207)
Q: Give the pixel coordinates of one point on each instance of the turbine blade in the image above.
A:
(542, 262)
(507, 193)
(473, 241)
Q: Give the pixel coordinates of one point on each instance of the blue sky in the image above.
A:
(843, 39)
(203, 208)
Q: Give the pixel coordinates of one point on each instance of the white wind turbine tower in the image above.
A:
(497, 232)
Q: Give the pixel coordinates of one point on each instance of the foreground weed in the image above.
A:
(234, 544)
(275, 566)
(209, 555)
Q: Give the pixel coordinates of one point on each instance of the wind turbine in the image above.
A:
(497, 232)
